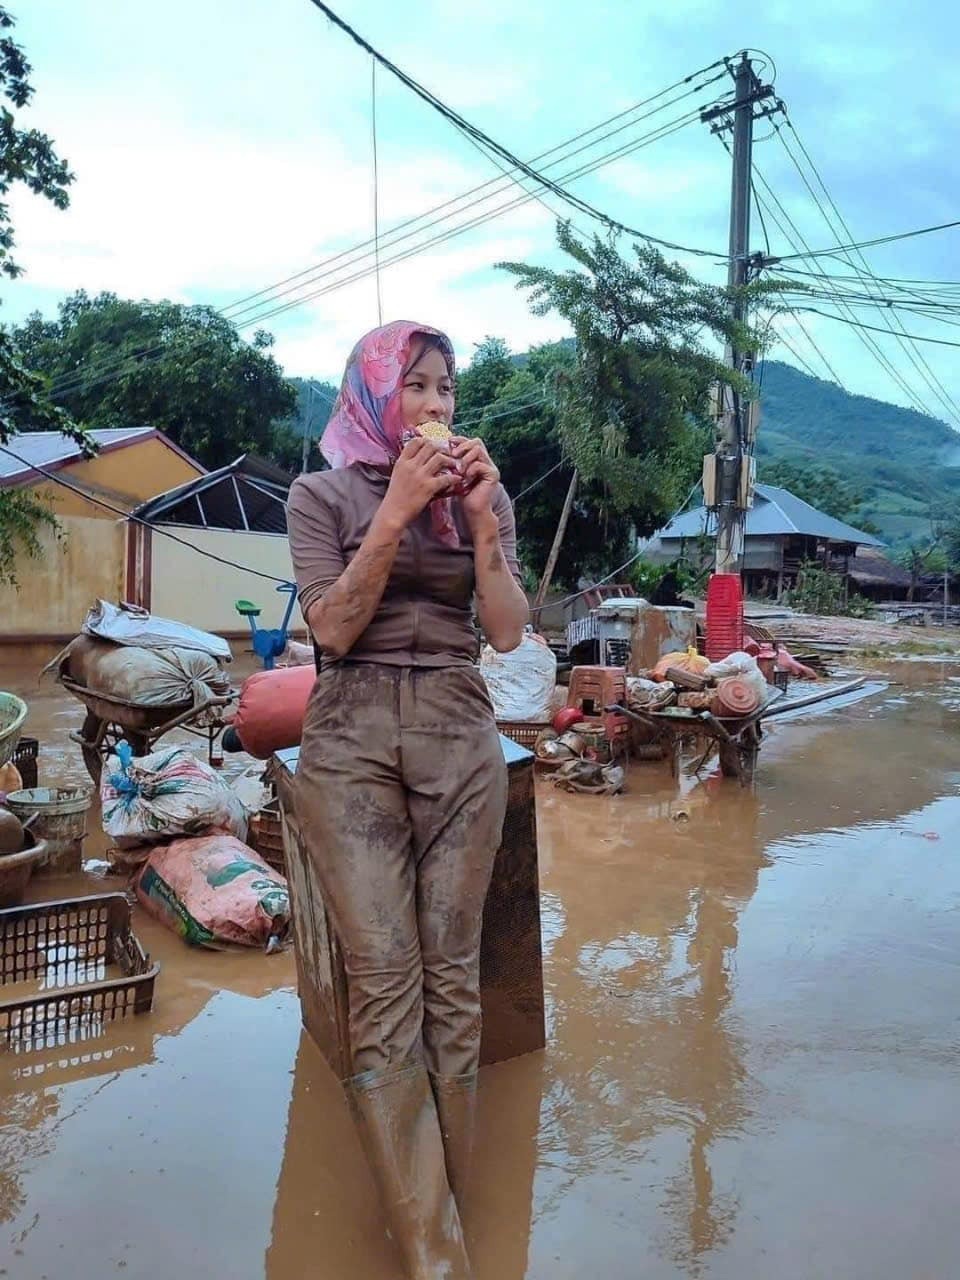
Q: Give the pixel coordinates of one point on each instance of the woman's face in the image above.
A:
(427, 394)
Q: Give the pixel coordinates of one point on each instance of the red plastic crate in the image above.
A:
(724, 615)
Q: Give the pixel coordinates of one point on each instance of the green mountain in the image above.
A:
(901, 463)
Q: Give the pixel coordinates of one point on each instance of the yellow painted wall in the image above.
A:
(198, 591)
(57, 590)
(125, 477)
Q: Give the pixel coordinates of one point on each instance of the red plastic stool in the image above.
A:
(592, 689)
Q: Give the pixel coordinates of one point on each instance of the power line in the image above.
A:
(609, 157)
(889, 281)
(492, 182)
(942, 312)
(846, 290)
(761, 206)
(74, 381)
(927, 375)
(539, 480)
(59, 479)
(860, 324)
(484, 218)
(781, 337)
(376, 186)
(872, 346)
(464, 126)
(151, 355)
(483, 416)
(870, 244)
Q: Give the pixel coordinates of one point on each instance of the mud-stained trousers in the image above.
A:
(401, 795)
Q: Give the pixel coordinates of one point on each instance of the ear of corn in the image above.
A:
(434, 430)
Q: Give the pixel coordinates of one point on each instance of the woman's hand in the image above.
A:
(479, 477)
(420, 474)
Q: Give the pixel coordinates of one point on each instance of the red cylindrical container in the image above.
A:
(767, 662)
(724, 615)
(736, 697)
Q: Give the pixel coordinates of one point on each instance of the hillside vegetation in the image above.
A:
(900, 463)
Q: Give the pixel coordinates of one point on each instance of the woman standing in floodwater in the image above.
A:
(401, 786)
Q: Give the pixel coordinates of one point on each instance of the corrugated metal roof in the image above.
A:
(249, 494)
(51, 449)
(776, 513)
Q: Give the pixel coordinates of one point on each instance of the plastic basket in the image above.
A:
(67, 969)
(25, 760)
(266, 836)
(523, 732)
(13, 712)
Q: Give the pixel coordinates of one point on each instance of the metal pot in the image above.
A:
(596, 745)
(16, 870)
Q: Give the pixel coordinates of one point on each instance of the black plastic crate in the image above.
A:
(25, 760)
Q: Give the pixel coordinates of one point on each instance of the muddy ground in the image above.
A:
(752, 1067)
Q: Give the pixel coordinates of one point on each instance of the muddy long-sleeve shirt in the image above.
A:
(425, 618)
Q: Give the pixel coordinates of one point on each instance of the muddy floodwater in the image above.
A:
(753, 1063)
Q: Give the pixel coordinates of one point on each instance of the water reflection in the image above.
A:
(738, 985)
(33, 1084)
(644, 1038)
(326, 1218)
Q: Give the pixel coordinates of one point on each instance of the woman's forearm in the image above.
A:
(501, 605)
(340, 617)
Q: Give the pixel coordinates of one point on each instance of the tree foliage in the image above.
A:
(951, 541)
(631, 411)
(315, 399)
(24, 402)
(27, 158)
(22, 516)
(182, 369)
(26, 155)
(898, 460)
(510, 402)
(821, 591)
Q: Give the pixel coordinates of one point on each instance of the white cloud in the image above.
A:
(227, 146)
(201, 217)
(432, 289)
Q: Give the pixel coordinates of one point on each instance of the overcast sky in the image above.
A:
(221, 146)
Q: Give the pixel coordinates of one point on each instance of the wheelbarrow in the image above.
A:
(110, 721)
(268, 644)
(737, 739)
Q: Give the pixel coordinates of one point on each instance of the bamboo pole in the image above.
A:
(554, 555)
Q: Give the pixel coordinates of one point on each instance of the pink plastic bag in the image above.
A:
(214, 889)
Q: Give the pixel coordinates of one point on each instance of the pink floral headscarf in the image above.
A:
(366, 424)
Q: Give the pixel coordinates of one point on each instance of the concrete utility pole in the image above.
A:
(732, 430)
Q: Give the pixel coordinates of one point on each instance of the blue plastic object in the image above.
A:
(269, 643)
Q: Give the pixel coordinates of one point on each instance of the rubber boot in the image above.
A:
(457, 1108)
(397, 1119)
